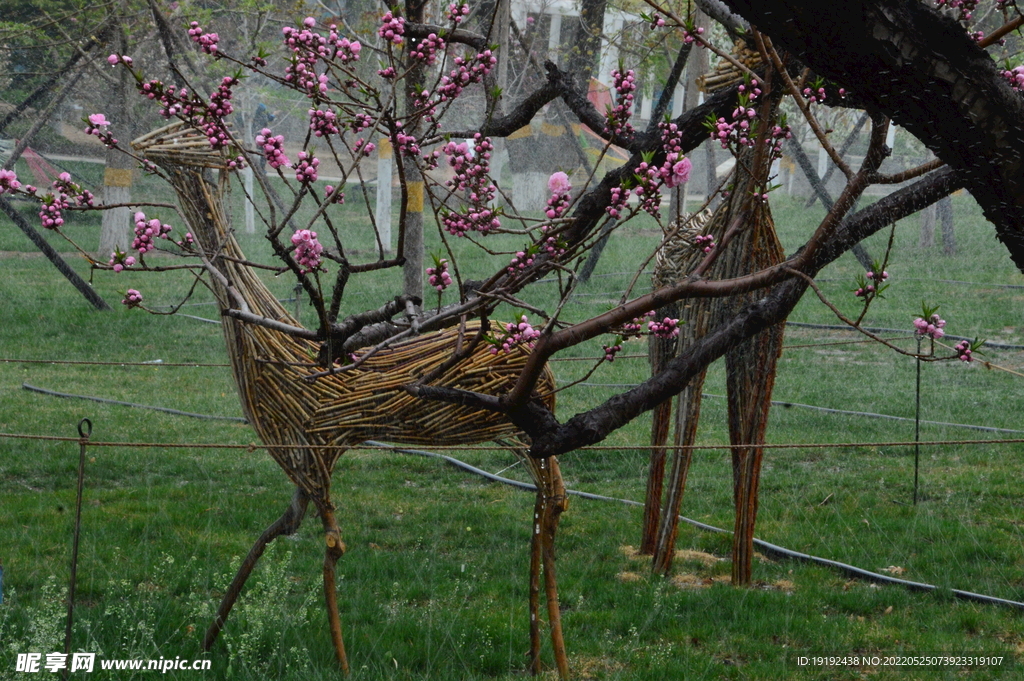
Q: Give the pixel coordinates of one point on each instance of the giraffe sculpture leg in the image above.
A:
(751, 246)
(655, 478)
(288, 523)
(660, 351)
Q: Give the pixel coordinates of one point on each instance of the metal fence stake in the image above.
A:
(84, 433)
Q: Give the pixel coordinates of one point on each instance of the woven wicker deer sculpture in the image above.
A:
(750, 377)
(750, 366)
(311, 422)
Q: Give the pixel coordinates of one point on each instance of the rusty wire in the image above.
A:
(253, 446)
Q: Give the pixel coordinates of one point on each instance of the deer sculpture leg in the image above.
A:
(535, 565)
(555, 503)
(750, 370)
(551, 502)
(687, 416)
(288, 523)
(335, 548)
(660, 350)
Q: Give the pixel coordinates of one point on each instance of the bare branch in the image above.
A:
(250, 318)
(459, 35)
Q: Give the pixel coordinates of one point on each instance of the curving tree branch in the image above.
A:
(459, 35)
(595, 424)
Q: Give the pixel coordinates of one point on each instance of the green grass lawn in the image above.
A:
(434, 583)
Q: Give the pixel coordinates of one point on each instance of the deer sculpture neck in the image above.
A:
(202, 201)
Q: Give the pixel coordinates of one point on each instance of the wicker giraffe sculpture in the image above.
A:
(317, 419)
(750, 368)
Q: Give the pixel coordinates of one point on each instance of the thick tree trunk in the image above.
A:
(920, 68)
(926, 237)
(697, 66)
(411, 235)
(586, 43)
(116, 225)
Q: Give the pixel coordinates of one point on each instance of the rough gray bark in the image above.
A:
(116, 225)
(411, 227)
(904, 59)
(926, 237)
(586, 43)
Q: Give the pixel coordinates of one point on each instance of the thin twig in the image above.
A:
(853, 325)
(806, 110)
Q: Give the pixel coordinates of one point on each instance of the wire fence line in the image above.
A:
(803, 325)
(845, 412)
(990, 429)
(768, 547)
(150, 363)
(883, 329)
(371, 445)
(907, 335)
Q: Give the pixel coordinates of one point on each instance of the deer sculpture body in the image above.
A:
(311, 421)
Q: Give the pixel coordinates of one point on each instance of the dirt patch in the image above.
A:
(705, 559)
(692, 581)
(631, 553)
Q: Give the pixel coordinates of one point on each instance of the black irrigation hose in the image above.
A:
(166, 410)
(768, 547)
(882, 329)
